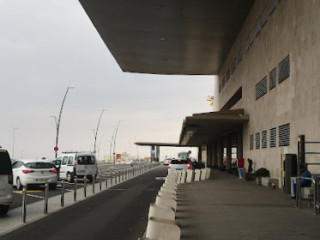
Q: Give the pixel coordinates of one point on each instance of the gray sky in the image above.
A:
(46, 46)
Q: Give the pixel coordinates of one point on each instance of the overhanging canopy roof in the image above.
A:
(163, 144)
(202, 128)
(168, 36)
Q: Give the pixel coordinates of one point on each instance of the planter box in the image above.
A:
(265, 181)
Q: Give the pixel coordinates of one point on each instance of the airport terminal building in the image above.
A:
(266, 54)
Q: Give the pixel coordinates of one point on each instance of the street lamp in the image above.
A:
(13, 141)
(58, 122)
(96, 133)
(114, 142)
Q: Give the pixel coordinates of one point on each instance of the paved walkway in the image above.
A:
(225, 207)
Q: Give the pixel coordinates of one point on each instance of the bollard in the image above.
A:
(100, 183)
(115, 178)
(106, 180)
(133, 171)
(93, 183)
(46, 195)
(62, 193)
(24, 204)
(85, 186)
(75, 186)
(122, 175)
(119, 177)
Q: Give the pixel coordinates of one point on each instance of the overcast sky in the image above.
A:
(46, 46)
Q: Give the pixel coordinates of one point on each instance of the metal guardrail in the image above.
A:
(113, 176)
(316, 194)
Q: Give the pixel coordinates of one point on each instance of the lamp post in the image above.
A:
(96, 133)
(58, 121)
(13, 141)
(114, 142)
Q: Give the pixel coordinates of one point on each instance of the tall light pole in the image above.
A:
(56, 148)
(114, 142)
(13, 141)
(96, 133)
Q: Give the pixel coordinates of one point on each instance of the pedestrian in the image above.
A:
(304, 182)
(240, 165)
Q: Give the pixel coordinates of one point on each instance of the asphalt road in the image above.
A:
(118, 213)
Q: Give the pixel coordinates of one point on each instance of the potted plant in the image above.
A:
(261, 172)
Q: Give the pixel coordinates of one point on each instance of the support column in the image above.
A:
(239, 144)
(157, 153)
(214, 154)
(209, 155)
(220, 153)
(229, 151)
(199, 154)
(153, 151)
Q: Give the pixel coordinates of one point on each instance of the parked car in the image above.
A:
(77, 164)
(34, 172)
(6, 195)
(167, 161)
(179, 165)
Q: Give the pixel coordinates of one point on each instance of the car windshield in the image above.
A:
(36, 165)
(86, 160)
(179, 162)
(5, 163)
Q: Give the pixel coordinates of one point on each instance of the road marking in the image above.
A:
(160, 178)
(29, 191)
(30, 195)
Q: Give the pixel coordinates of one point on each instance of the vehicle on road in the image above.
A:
(77, 164)
(34, 172)
(6, 195)
(179, 165)
(167, 161)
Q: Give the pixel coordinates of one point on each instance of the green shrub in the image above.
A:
(262, 172)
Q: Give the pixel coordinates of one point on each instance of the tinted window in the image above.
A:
(5, 163)
(86, 160)
(39, 165)
(64, 160)
(70, 161)
(179, 162)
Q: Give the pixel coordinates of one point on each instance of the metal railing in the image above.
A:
(113, 177)
(316, 194)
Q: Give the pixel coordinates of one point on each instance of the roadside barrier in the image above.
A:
(110, 178)
(161, 218)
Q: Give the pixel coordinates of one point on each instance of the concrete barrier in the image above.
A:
(197, 173)
(161, 229)
(179, 177)
(169, 190)
(208, 173)
(170, 185)
(168, 195)
(183, 176)
(189, 176)
(166, 201)
(162, 212)
(203, 174)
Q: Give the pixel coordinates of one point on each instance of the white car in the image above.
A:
(34, 172)
(6, 195)
(167, 161)
(179, 165)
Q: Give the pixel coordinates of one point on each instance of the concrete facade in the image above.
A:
(278, 35)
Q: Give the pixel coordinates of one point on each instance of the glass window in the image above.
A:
(64, 160)
(70, 161)
(86, 160)
(5, 162)
(39, 165)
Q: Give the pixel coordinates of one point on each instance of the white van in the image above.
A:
(6, 181)
(79, 164)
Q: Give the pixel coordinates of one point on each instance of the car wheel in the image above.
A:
(53, 186)
(70, 177)
(19, 185)
(4, 209)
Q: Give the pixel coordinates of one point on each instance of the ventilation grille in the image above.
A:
(264, 16)
(273, 135)
(284, 135)
(272, 5)
(272, 77)
(251, 142)
(258, 27)
(239, 57)
(264, 139)
(233, 65)
(284, 69)
(261, 88)
(258, 140)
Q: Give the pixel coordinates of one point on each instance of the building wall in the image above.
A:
(292, 29)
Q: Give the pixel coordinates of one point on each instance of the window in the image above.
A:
(264, 139)
(284, 135)
(284, 69)
(64, 160)
(5, 162)
(86, 160)
(272, 77)
(251, 142)
(258, 140)
(261, 88)
(273, 134)
(39, 165)
(272, 4)
(70, 160)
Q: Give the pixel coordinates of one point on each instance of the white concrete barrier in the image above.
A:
(179, 177)
(197, 173)
(168, 195)
(169, 190)
(183, 176)
(203, 174)
(208, 173)
(189, 176)
(166, 201)
(170, 185)
(160, 229)
(162, 212)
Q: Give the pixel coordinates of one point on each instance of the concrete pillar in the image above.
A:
(153, 152)
(229, 151)
(199, 154)
(220, 153)
(214, 154)
(209, 155)
(239, 144)
(157, 153)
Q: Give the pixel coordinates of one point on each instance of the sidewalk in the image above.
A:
(225, 207)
